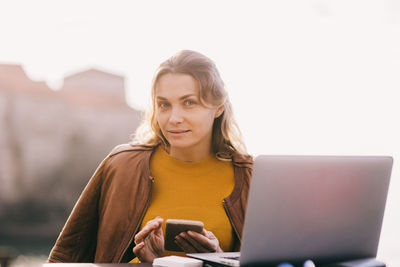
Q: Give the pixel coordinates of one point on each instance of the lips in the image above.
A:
(178, 131)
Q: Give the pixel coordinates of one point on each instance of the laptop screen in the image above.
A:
(324, 208)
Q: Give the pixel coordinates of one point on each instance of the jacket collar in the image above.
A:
(238, 160)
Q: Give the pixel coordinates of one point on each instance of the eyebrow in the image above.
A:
(182, 97)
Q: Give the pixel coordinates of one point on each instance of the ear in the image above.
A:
(219, 111)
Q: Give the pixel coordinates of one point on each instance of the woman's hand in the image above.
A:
(150, 241)
(192, 242)
(307, 263)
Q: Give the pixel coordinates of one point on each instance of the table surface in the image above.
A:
(97, 264)
(357, 263)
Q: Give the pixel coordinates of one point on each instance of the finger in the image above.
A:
(157, 220)
(151, 225)
(194, 243)
(204, 232)
(142, 234)
(210, 235)
(155, 234)
(137, 250)
(204, 241)
(214, 240)
(308, 263)
(158, 231)
(184, 245)
(148, 228)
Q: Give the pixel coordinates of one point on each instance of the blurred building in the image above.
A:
(52, 141)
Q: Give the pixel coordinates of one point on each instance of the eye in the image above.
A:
(163, 104)
(189, 103)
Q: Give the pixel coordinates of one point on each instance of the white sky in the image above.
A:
(305, 77)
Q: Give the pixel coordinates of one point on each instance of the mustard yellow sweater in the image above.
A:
(192, 191)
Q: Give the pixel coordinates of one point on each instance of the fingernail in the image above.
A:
(308, 263)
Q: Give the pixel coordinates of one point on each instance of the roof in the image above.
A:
(92, 72)
(13, 78)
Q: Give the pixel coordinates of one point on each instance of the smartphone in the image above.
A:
(174, 227)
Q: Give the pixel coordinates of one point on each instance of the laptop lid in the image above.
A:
(324, 208)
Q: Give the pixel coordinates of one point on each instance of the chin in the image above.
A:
(180, 144)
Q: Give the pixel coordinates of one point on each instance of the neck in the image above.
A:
(189, 155)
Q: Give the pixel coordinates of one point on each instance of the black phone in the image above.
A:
(174, 227)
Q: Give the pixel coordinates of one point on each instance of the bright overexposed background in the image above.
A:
(304, 77)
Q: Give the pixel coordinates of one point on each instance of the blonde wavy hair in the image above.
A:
(226, 135)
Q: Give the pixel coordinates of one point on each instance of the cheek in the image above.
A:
(207, 122)
(160, 120)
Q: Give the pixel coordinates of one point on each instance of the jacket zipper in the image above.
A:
(229, 217)
(140, 221)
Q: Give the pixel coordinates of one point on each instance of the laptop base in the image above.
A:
(368, 262)
(216, 261)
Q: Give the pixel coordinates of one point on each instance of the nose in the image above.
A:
(176, 116)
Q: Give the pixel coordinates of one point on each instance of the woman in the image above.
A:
(187, 162)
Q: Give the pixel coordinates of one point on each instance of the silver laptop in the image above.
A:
(323, 208)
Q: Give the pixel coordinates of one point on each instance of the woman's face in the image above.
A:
(185, 122)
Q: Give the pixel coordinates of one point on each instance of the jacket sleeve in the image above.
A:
(77, 240)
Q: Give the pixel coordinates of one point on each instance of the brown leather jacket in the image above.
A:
(102, 225)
